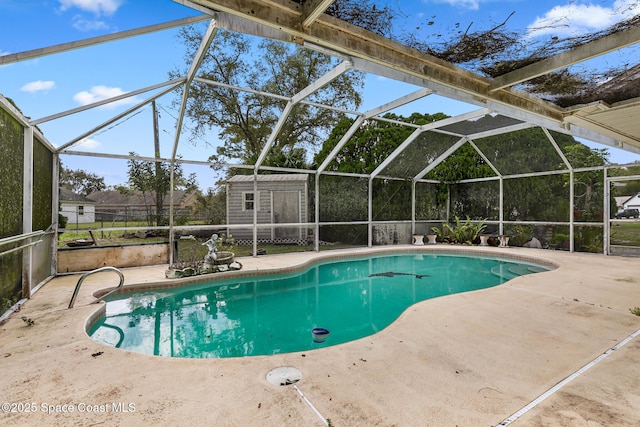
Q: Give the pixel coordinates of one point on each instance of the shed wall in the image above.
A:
(266, 215)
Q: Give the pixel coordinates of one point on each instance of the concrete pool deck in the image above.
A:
(470, 359)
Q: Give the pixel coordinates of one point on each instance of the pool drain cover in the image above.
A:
(284, 375)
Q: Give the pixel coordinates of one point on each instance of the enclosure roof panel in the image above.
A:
(488, 122)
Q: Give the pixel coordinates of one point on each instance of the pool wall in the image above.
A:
(322, 257)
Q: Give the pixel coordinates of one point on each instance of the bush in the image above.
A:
(62, 222)
(466, 232)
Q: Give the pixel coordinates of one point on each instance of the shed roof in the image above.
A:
(269, 178)
(67, 195)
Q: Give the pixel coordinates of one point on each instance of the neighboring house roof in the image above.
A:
(621, 200)
(269, 178)
(68, 196)
(136, 198)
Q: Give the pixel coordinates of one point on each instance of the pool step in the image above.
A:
(508, 273)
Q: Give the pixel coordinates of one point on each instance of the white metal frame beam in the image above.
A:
(485, 158)
(105, 101)
(421, 93)
(312, 9)
(552, 141)
(205, 43)
(441, 158)
(500, 131)
(273, 95)
(65, 47)
(195, 65)
(331, 75)
(116, 118)
(582, 53)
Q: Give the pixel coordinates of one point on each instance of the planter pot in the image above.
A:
(224, 258)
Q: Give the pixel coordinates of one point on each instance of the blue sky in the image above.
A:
(60, 82)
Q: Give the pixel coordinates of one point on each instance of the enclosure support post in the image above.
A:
(571, 210)
(413, 207)
(195, 65)
(255, 212)
(55, 198)
(571, 185)
(606, 216)
(448, 203)
(316, 237)
(501, 201)
(370, 213)
(27, 209)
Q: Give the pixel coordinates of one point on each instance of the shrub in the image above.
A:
(466, 232)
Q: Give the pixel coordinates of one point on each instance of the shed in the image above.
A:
(78, 209)
(281, 199)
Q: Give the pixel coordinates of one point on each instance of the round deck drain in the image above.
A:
(285, 375)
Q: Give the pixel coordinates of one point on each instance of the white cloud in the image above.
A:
(81, 24)
(98, 7)
(582, 18)
(98, 93)
(38, 86)
(88, 143)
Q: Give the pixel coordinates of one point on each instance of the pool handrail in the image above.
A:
(97, 270)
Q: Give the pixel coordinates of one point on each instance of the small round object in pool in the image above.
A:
(319, 334)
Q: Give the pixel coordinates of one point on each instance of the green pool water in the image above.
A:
(262, 315)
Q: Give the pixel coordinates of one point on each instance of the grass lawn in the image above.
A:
(625, 233)
(188, 250)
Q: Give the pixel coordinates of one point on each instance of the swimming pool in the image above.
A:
(269, 314)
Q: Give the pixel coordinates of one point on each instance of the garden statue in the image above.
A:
(214, 261)
(211, 257)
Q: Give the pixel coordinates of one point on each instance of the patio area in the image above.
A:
(471, 359)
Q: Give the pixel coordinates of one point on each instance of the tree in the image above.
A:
(80, 181)
(630, 187)
(245, 119)
(211, 206)
(152, 180)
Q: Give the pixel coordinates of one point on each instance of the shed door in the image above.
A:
(286, 209)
